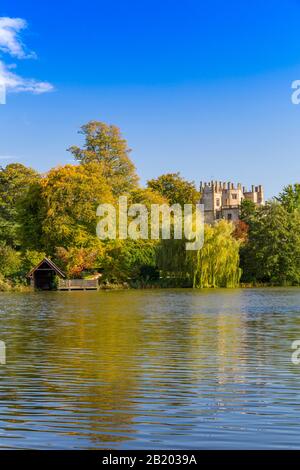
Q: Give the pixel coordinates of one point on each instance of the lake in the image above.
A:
(152, 369)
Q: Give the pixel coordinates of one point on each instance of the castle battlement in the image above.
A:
(222, 200)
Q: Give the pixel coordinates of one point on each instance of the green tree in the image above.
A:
(216, 264)
(10, 262)
(272, 253)
(105, 145)
(31, 214)
(125, 260)
(248, 210)
(30, 259)
(15, 181)
(175, 189)
(290, 197)
(174, 263)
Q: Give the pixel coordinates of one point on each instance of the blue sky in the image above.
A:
(200, 87)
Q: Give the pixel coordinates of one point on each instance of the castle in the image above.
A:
(223, 200)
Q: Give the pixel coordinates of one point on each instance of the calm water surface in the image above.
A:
(150, 369)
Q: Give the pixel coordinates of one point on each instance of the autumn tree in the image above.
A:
(62, 208)
(105, 145)
(130, 260)
(75, 260)
(175, 189)
(241, 230)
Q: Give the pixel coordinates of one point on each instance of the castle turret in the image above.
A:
(223, 200)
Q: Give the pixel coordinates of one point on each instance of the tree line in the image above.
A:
(54, 215)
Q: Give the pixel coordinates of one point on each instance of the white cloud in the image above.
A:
(10, 41)
(16, 83)
(12, 45)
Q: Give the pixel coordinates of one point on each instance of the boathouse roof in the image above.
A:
(50, 265)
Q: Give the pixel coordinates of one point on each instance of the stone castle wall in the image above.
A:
(223, 200)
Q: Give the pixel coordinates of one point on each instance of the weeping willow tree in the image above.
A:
(173, 262)
(217, 263)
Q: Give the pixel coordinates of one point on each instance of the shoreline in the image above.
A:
(242, 286)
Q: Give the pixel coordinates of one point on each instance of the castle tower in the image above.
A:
(223, 200)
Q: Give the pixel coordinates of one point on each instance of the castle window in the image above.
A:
(218, 202)
(229, 216)
(234, 196)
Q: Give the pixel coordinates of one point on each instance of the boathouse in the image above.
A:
(47, 276)
(43, 276)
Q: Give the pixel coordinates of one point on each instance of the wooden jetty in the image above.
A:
(78, 284)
